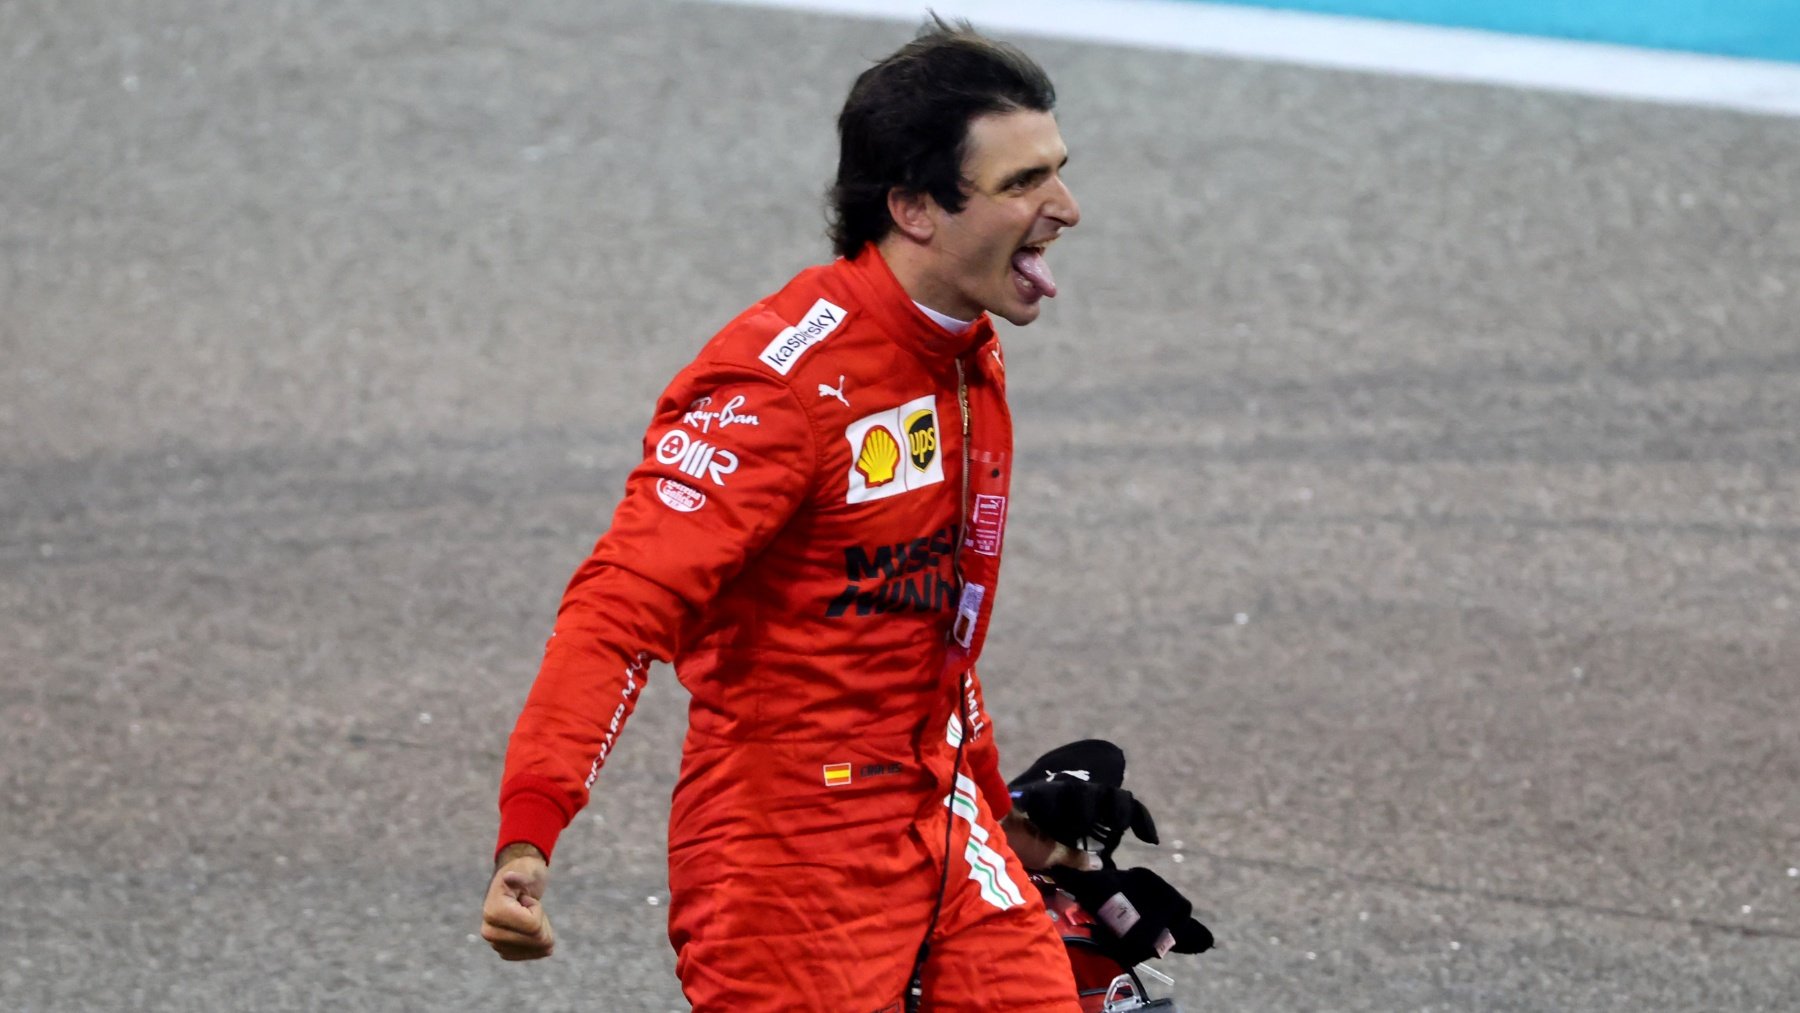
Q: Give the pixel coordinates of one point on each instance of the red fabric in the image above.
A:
(803, 573)
(831, 920)
(1093, 971)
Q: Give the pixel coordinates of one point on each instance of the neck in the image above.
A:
(912, 265)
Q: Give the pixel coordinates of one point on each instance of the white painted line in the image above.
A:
(1386, 47)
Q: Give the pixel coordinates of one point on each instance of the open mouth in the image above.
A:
(1031, 273)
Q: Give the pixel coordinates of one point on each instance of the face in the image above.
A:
(1017, 202)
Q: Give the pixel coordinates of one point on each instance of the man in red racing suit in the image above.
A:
(813, 538)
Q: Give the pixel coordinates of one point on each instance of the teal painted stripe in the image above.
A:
(1758, 29)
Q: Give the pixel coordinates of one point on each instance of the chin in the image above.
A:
(1018, 314)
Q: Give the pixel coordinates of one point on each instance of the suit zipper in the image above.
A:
(915, 989)
(962, 403)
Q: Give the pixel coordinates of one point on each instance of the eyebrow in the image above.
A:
(1030, 175)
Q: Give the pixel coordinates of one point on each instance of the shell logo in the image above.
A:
(880, 453)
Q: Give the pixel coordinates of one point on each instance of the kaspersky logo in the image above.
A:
(787, 347)
(894, 451)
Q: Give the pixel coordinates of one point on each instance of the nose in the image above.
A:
(1062, 206)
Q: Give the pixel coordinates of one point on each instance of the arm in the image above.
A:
(611, 623)
(983, 756)
(699, 506)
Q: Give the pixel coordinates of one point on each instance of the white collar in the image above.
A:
(946, 321)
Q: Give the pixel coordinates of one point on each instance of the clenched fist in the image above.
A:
(513, 920)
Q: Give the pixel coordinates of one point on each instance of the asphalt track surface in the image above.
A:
(1410, 479)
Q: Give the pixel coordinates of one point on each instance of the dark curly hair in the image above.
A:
(905, 123)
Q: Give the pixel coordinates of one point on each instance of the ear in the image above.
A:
(914, 213)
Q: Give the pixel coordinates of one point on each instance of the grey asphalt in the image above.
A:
(1410, 479)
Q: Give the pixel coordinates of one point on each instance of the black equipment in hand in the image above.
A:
(1073, 794)
(1083, 815)
(1144, 915)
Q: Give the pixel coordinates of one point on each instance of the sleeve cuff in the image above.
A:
(995, 790)
(527, 817)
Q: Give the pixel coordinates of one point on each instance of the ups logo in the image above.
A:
(921, 438)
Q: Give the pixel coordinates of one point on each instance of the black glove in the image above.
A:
(1074, 795)
(1084, 815)
(1144, 916)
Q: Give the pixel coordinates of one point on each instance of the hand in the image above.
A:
(1038, 851)
(513, 920)
(1084, 815)
(1145, 915)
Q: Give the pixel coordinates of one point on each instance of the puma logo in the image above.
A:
(826, 390)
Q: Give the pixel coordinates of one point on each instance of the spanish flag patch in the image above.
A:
(836, 774)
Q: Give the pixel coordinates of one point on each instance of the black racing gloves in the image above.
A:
(1083, 815)
(1072, 794)
(1075, 794)
(1145, 915)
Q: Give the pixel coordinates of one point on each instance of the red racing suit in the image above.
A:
(813, 539)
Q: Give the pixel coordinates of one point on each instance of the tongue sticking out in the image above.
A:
(1030, 263)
